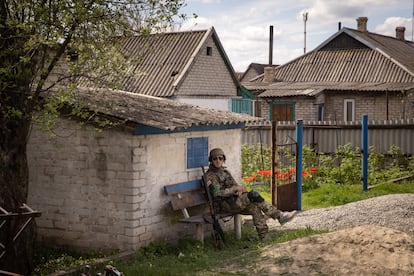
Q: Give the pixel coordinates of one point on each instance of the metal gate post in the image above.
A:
(365, 152)
(299, 153)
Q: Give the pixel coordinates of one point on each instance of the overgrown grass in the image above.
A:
(190, 257)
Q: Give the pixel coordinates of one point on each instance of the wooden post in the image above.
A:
(237, 226)
(200, 232)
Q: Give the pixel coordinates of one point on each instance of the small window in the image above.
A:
(321, 111)
(209, 51)
(349, 110)
(197, 152)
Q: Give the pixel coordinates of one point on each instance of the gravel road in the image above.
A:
(393, 211)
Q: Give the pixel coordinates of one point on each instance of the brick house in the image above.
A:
(190, 67)
(354, 72)
(103, 189)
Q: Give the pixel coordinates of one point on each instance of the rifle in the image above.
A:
(217, 230)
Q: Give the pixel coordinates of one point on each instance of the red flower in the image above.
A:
(250, 178)
(265, 172)
(313, 169)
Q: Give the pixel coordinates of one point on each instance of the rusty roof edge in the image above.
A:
(187, 67)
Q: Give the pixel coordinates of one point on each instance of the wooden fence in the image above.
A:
(327, 136)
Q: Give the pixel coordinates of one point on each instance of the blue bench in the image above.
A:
(188, 194)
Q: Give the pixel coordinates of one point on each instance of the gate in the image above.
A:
(286, 172)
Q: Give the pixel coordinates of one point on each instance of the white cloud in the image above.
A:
(243, 26)
(388, 27)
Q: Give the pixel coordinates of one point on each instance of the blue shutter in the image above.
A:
(197, 152)
(243, 106)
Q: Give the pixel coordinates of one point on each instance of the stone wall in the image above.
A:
(103, 189)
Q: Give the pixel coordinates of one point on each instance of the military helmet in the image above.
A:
(216, 152)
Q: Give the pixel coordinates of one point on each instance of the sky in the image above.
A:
(243, 26)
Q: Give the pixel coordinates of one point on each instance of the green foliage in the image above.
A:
(335, 179)
(51, 259)
(254, 158)
(343, 167)
(80, 39)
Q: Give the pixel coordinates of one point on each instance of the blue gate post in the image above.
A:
(299, 143)
(364, 152)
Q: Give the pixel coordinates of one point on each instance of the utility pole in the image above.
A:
(305, 19)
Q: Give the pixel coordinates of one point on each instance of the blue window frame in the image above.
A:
(197, 152)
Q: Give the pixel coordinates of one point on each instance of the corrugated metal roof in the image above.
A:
(353, 65)
(287, 89)
(156, 112)
(385, 64)
(161, 59)
(400, 51)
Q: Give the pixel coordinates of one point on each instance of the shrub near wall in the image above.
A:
(342, 168)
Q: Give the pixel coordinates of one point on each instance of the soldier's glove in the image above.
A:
(254, 196)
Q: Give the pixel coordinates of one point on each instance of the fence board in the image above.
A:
(327, 136)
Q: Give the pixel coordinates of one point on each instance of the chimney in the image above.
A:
(362, 24)
(271, 45)
(400, 33)
(269, 74)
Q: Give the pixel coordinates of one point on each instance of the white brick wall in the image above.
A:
(208, 78)
(103, 190)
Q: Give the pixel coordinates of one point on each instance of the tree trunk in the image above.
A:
(18, 257)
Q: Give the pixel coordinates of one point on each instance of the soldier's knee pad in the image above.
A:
(254, 196)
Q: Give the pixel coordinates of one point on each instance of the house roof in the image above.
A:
(287, 89)
(401, 52)
(349, 60)
(163, 60)
(156, 112)
(258, 68)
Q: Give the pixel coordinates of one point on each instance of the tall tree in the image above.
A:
(36, 37)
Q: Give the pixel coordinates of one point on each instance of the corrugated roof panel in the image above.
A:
(355, 65)
(159, 56)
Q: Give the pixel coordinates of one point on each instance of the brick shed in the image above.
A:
(102, 189)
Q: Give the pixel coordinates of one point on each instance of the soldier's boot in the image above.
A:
(263, 235)
(285, 217)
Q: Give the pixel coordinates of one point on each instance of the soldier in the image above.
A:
(233, 198)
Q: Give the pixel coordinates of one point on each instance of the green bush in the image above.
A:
(343, 167)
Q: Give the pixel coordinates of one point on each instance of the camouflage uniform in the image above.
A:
(223, 187)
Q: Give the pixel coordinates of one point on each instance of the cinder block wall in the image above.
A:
(103, 190)
(80, 180)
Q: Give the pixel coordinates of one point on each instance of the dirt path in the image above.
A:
(369, 237)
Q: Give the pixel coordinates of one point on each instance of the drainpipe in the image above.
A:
(387, 100)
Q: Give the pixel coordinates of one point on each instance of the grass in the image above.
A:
(190, 257)
(333, 195)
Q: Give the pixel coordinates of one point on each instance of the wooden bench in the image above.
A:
(188, 194)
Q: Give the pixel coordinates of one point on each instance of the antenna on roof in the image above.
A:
(305, 19)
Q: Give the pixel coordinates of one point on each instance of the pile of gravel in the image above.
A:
(392, 211)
